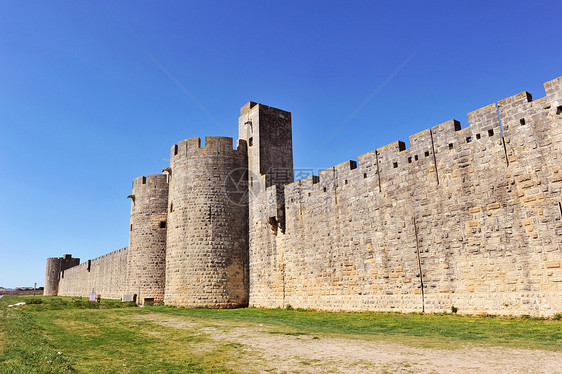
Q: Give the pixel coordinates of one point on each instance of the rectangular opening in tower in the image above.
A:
(273, 224)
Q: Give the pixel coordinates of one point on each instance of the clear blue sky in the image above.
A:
(84, 108)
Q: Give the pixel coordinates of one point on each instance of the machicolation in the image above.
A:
(470, 217)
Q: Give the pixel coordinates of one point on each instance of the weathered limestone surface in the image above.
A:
(451, 215)
(267, 131)
(207, 236)
(106, 275)
(466, 217)
(146, 259)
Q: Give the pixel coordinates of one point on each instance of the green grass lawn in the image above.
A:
(63, 334)
(449, 329)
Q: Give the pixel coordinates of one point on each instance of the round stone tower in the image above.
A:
(207, 239)
(146, 256)
(52, 275)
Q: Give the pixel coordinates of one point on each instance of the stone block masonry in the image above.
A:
(106, 275)
(207, 245)
(467, 217)
(146, 258)
(464, 217)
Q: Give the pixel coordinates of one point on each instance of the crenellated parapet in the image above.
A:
(430, 149)
(214, 146)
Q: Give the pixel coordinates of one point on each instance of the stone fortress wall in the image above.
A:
(106, 275)
(466, 217)
(55, 267)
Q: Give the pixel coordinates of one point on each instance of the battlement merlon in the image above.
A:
(268, 133)
(519, 108)
(553, 89)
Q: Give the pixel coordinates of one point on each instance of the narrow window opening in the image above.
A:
(155, 182)
(89, 264)
(131, 228)
(395, 164)
(324, 189)
(409, 160)
(491, 132)
(469, 139)
(171, 207)
(175, 149)
(274, 225)
(560, 206)
(251, 181)
(162, 224)
(364, 175)
(477, 136)
(346, 181)
(143, 180)
(415, 157)
(559, 109)
(450, 145)
(251, 141)
(426, 153)
(309, 194)
(522, 121)
(219, 146)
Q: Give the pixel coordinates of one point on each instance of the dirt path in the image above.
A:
(267, 348)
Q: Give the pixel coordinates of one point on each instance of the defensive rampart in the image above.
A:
(106, 275)
(466, 217)
(469, 218)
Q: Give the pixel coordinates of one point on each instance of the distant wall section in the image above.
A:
(52, 274)
(106, 275)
